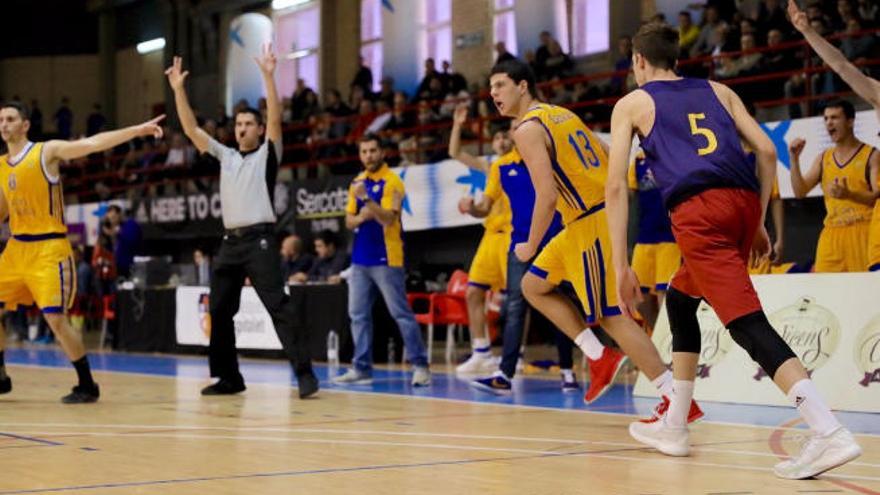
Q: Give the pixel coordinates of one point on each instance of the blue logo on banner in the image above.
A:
(475, 179)
(404, 205)
(387, 5)
(235, 35)
(777, 135)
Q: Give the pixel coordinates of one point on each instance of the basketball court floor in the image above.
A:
(152, 433)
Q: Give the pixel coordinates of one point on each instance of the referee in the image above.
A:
(249, 248)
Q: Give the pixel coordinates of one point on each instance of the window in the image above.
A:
(590, 27)
(371, 38)
(436, 32)
(504, 26)
(298, 37)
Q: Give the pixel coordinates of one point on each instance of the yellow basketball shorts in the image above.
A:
(489, 266)
(581, 255)
(655, 264)
(843, 249)
(38, 271)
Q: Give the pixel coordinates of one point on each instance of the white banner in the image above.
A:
(433, 191)
(253, 325)
(831, 321)
(90, 215)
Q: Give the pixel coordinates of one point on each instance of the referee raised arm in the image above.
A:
(249, 248)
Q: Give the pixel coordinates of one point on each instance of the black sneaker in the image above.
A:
(307, 383)
(224, 387)
(6, 385)
(82, 395)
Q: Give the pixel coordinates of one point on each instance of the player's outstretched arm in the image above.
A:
(267, 63)
(864, 86)
(458, 120)
(531, 141)
(617, 199)
(56, 150)
(176, 77)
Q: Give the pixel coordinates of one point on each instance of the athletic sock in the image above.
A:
(588, 343)
(680, 403)
(2, 365)
(664, 383)
(83, 372)
(480, 345)
(567, 374)
(812, 407)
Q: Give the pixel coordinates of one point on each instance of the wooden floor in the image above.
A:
(156, 435)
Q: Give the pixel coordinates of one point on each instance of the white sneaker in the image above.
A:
(352, 377)
(666, 439)
(819, 454)
(479, 362)
(421, 377)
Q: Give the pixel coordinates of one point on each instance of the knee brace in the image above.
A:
(682, 311)
(754, 333)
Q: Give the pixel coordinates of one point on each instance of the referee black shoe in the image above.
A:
(6, 385)
(81, 394)
(224, 387)
(307, 383)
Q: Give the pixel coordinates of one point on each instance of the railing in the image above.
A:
(302, 151)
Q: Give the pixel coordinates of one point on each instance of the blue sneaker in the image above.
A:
(572, 386)
(497, 384)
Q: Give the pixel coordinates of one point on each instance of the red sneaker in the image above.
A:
(602, 373)
(694, 415)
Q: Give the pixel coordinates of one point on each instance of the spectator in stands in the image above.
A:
(428, 138)
(180, 153)
(848, 192)
(623, 63)
(453, 81)
(203, 268)
(771, 15)
(796, 85)
(431, 74)
(222, 118)
(36, 132)
(64, 120)
(743, 65)
(330, 262)
(688, 32)
(869, 11)
(775, 60)
(306, 107)
(401, 117)
(408, 149)
(363, 78)
(386, 91)
(705, 42)
(542, 53)
(85, 285)
(845, 12)
(501, 53)
(857, 48)
(355, 97)
(295, 261)
(96, 120)
(128, 239)
(558, 63)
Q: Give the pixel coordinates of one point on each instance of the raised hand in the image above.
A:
(796, 147)
(460, 115)
(152, 127)
(267, 61)
(798, 17)
(176, 74)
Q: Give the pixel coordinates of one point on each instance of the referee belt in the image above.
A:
(260, 228)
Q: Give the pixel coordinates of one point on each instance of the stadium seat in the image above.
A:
(444, 308)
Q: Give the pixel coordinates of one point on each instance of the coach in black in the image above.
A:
(249, 249)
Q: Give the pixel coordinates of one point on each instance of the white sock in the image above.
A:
(480, 345)
(588, 343)
(812, 407)
(567, 375)
(664, 383)
(680, 403)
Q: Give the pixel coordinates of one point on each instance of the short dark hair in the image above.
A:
(328, 238)
(848, 109)
(116, 208)
(685, 13)
(658, 43)
(519, 71)
(251, 110)
(20, 107)
(369, 137)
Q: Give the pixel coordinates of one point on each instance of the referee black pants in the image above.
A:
(253, 254)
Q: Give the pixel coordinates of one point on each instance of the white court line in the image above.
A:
(342, 390)
(257, 429)
(666, 460)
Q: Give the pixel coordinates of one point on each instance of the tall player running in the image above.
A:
(864, 86)
(690, 130)
(37, 264)
(568, 166)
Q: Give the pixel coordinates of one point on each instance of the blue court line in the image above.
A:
(31, 439)
(528, 391)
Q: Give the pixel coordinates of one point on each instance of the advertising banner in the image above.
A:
(253, 325)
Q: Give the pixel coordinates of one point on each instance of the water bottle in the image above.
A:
(391, 350)
(333, 348)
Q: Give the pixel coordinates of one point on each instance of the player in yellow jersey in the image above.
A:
(864, 86)
(489, 266)
(568, 165)
(37, 264)
(848, 175)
